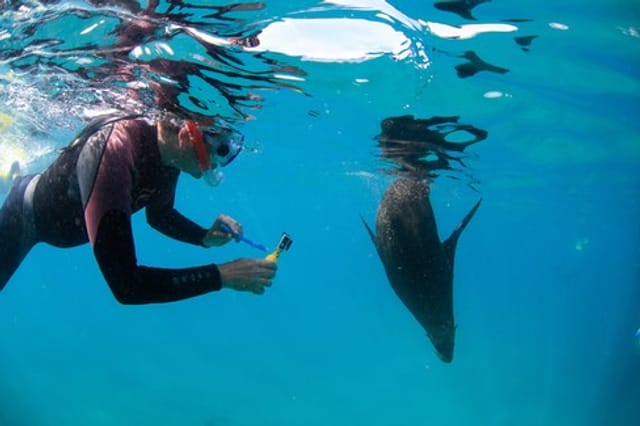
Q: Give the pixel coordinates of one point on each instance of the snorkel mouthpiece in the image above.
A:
(213, 177)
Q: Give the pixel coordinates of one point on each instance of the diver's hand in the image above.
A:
(219, 234)
(251, 275)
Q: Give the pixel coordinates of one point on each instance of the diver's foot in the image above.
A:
(14, 171)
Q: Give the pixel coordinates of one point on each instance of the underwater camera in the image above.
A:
(283, 245)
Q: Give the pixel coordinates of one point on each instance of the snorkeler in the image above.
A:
(115, 167)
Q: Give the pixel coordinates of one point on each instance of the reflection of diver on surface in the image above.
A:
(156, 56)
(167, 78)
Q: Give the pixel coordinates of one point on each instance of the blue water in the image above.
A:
(547, 276)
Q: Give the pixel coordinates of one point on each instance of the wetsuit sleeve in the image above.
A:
(134, 284)
(163, 217)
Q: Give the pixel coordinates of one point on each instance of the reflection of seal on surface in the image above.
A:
(461, 8)
(419, 267)
(475, 65)
(424, 147)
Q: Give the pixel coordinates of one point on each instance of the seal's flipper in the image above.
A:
(371, 234)
(450, 243)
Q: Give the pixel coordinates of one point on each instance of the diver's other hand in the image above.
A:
(248, 275)
(219, 234)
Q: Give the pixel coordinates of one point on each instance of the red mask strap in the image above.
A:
(197, 139)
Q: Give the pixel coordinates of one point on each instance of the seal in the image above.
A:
(418, 265)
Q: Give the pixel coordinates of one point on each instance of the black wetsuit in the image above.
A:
(110, 171)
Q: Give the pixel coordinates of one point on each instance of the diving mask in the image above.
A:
(215, 146)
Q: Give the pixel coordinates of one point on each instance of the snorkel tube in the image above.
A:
(197, 139)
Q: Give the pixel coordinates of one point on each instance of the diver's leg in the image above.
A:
(14, 243)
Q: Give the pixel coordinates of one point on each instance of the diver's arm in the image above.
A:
(131, 283)
(163, 217)
(174, 225)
